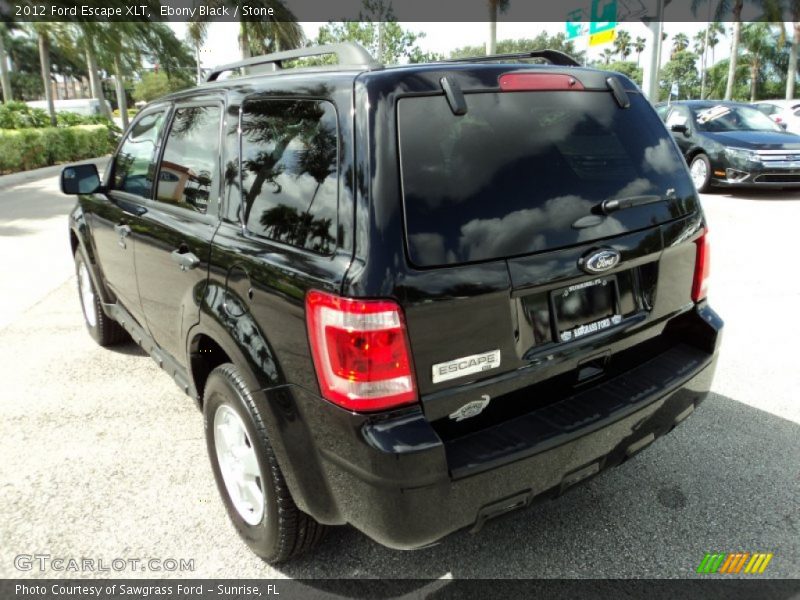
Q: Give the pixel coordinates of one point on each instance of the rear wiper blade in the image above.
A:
(607, 207)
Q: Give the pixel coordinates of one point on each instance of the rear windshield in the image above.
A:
(513, 175)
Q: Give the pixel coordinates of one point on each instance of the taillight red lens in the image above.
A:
(360, 350)
(701, 268)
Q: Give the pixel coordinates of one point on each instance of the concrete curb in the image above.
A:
(13, 179)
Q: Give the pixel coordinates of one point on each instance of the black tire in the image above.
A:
(284, 531)
(703, 184)
(105, 330)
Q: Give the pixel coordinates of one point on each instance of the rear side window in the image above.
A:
(134, 165)
(290, 161)
(189, 171)
(514, 174)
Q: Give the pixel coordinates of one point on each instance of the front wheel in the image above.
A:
(102, 328)
(700, 169)
(247, 473)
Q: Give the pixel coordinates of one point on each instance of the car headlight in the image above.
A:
(741, 154)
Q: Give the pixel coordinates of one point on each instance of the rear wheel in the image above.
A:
(247, 473)
(700, 169)
(102, 328)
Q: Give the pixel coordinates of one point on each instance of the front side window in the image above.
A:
(134, 165)
(290, 157)
(189, 171)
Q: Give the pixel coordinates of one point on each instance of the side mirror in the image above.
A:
(80, 179)
(680, 128)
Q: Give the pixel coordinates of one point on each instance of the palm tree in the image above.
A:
(791, 70)
(639, 46)
(119, 39)
(280, 32)
(495, 7)
(622, 44)
(89, 38)
(318, 158)
(5, 80)
(715, 29)
(721, 10)
(701, 48)
(736, 32)
(608, 54)
(758, 42)
(680, 42)
(196, 32)
(42, 31)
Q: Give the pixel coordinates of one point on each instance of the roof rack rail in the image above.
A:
(554, 57)
(348, 54)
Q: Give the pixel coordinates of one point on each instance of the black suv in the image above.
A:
(409, 299)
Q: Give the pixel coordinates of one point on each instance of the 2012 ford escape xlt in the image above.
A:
(409, 299)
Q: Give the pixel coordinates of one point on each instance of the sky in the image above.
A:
(222, 43)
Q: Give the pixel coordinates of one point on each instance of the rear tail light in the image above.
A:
(360, 351)
(523, 82)
(701, 268)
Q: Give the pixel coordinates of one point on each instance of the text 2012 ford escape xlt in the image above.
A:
(409, 299)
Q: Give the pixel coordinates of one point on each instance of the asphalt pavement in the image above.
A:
(104, 458)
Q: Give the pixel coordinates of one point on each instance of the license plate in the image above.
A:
(586, 308)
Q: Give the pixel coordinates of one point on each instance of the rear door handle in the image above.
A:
(185, 259)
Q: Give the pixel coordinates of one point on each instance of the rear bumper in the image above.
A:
(394, 479)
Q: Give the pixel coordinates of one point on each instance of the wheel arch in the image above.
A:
(214, 341)
(79, 239)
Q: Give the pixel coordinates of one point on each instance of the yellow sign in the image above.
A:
(604, 37)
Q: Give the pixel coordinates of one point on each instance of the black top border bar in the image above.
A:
(531, 11)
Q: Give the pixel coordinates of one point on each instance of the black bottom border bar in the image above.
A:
(406, 589)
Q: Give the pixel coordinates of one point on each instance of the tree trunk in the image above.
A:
(5, 80)
(737, 27)
(199, 68)
(491, 45)
(753, 79)
(703, 69)
(791, 71)
(244, 40)
(122, 99)
(44, 60)
(380, 42)
(94, 79)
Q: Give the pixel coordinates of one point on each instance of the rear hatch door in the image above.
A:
(503, 207)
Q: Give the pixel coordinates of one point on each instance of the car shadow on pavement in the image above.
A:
(726, 480)
(129, 348)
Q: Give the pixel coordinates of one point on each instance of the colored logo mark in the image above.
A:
(735, 562)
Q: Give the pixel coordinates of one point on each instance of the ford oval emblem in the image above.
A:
(599, 261)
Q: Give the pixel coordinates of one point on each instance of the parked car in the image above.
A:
(410, 299)
(785, 113)
(732, 144)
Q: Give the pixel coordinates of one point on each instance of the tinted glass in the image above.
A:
(514, 174)
(732, 118)
(767, 109)
(290, 172)
(189, 170)
(134, 166)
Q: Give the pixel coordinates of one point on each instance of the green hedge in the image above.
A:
(24, 149)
